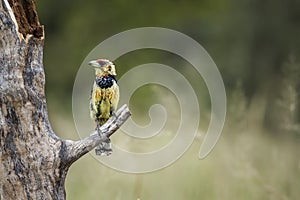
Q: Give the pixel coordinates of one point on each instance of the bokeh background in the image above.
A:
(256, 47)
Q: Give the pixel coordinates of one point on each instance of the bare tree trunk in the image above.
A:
(34, 161)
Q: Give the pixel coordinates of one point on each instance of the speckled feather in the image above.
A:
(104, 98)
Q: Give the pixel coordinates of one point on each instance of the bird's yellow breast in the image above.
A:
(104, 101)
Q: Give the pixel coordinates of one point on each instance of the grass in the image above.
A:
(247, 163)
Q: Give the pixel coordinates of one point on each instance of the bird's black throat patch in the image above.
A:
(105, 81)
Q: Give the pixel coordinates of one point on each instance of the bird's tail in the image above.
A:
(104, 148)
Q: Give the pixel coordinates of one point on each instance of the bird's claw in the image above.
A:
(114, 114)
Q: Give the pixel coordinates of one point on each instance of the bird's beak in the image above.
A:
(94, 63)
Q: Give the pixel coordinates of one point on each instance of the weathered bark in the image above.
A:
(34, 161)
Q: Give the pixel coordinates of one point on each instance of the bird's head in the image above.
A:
(103, 67)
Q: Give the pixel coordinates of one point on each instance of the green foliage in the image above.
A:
(249, 40)
(283, 113)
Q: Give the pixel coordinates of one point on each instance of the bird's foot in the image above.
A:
(98, 130)
(114, 114)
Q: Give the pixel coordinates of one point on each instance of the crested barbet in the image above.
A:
(104, 99)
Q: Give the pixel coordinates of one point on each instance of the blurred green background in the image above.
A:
(256, 47)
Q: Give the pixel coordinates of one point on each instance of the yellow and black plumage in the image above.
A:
(104, 98)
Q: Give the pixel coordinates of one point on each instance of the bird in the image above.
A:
(104, 99)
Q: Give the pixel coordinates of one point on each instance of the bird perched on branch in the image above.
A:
(104, 98)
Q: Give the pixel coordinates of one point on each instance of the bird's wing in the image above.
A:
(115, 97)
(96, 97)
